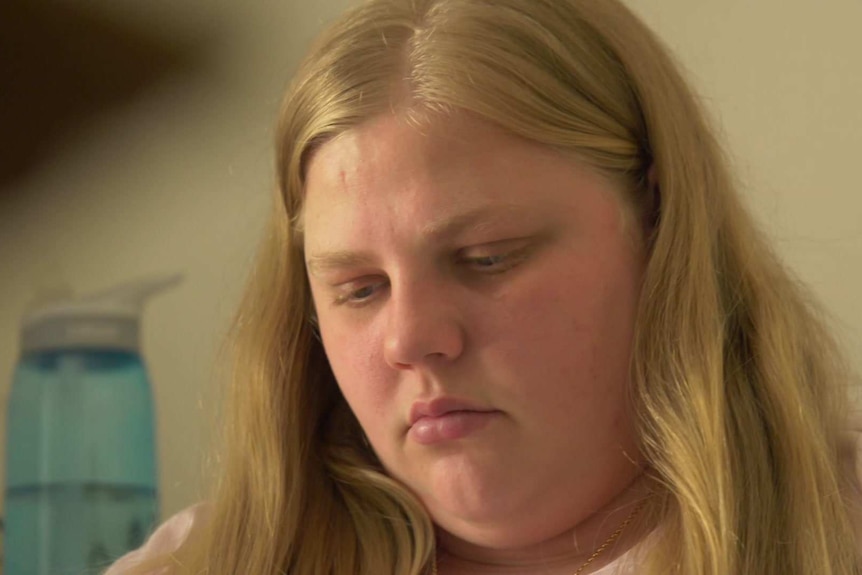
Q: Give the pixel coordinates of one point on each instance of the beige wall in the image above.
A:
(179, 180)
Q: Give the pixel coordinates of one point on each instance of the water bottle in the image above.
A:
(81, 486)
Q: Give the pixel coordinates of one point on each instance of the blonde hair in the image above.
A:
(738, 388)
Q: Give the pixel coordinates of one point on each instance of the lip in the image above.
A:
(446, 419)
(440, 406)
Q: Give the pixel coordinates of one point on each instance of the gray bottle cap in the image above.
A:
(80, 332)
(109, 320)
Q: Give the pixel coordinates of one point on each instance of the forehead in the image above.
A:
(388, 174)
(392, 150)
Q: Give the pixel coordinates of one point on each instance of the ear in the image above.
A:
(652, 204)
(314, 323)
(652, 179)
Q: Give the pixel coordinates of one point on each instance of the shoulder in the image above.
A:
(852, 456)
(851, 459)
(169, 536)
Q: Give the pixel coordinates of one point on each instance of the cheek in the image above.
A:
(355, 360)
(572, 336)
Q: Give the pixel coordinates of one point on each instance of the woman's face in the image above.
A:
(476, 295)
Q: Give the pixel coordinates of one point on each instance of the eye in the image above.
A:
(494, 259)
(357, 294)
(487, 263)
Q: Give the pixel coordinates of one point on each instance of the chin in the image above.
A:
(495, 522)
(500, 534)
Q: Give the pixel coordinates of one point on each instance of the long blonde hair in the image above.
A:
(738, 388)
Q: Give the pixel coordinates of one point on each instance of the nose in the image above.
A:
(423, 325)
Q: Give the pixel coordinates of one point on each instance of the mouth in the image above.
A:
(447, 419)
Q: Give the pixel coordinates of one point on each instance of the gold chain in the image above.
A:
(613, 537)
(601, 548)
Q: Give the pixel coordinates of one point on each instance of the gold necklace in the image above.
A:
(599, 550)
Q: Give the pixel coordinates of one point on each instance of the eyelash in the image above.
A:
(501, 264)
(507, 261)
(349, 298)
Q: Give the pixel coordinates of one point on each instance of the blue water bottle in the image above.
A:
(81, 484)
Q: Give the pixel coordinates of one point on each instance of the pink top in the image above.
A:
(173, 532)
(166, 539)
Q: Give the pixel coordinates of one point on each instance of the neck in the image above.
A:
(566, 553)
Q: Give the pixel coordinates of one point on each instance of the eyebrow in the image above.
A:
(334, 260)
(477, 219)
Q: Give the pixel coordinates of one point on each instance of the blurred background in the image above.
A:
(136, 138)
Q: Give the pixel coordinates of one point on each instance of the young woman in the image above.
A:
(510, 317)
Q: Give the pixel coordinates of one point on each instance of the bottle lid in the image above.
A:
(106, 320)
